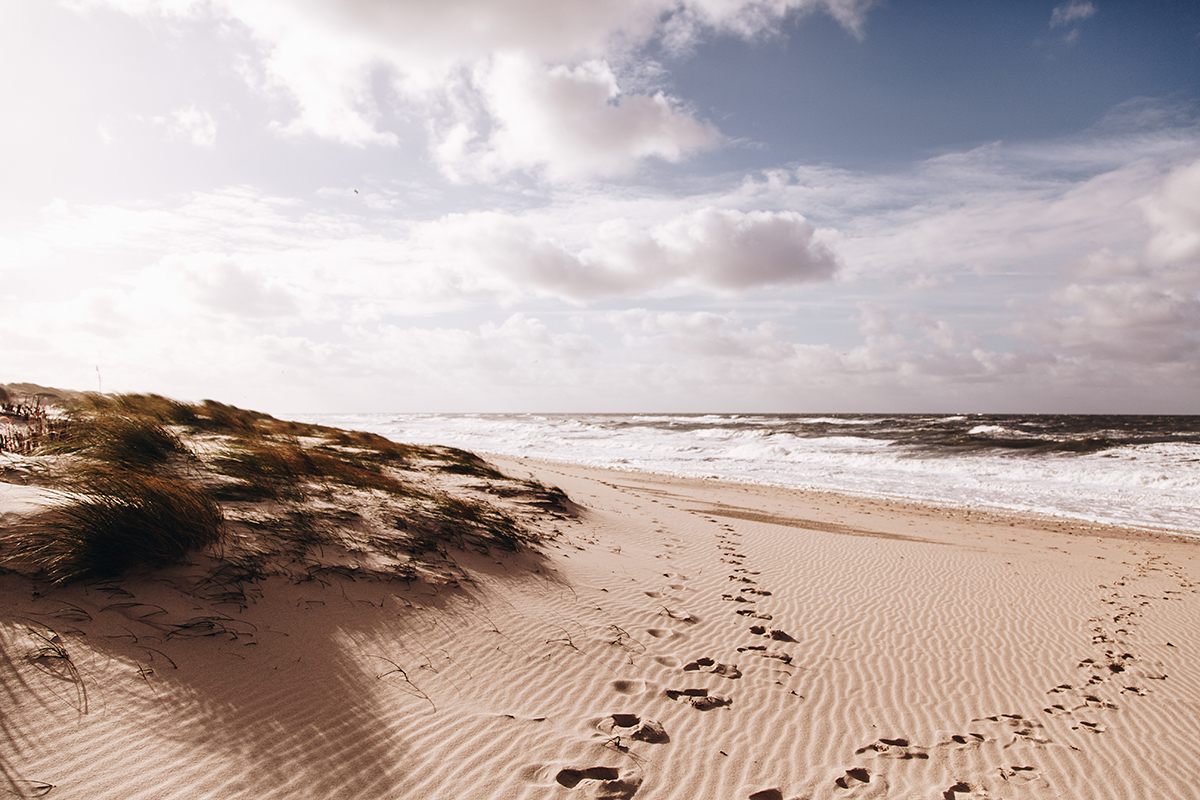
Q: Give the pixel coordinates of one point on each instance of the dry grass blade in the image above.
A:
(278, 471)
(51, 657)
(131, 441)
(117, 521)
(398, 670)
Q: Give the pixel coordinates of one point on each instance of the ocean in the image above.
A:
(1141, 471)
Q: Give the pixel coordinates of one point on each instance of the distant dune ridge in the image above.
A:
(200, 601)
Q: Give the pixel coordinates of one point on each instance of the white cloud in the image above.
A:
(709, 250)
(687, 21)
(1069, 15)
(703, 334)
(189, 124)
(570, 122)
(733, 251)
(1132, 324)
(1032, 209)
(537, 73)
(874, 320)
(1174, 215)
(965, 281)
(228, 288)
(1071, 12)
(722, 356)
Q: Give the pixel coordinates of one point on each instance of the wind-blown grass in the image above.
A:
(132, 442)
(282, 497)
(155, 406)
(445, 521)
(115, 521)
(279, 470)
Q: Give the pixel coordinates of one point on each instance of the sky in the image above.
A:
(605, 205)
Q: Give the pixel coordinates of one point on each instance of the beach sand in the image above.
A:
(679, 639)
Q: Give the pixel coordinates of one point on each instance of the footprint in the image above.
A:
(653, 594)
(632, 687)
(853, 778)
(772, 793)
(699, 699)
(1022, 774)
(962, 787)
(633, 727)
(1022, 728)
(571, 778)
(682, 616)
(663, 633)
(1092, 701)
(708, 665)
(1084, 725)
(667, 661)
(608, 781)
(709, 702)
(752, 614)
(965, 739)
(893, 748)
(777, 635)
(761, 650)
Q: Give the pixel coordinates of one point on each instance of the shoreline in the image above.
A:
(1093, 468)
(998, 514)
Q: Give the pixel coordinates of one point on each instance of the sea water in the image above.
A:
(1142, 471)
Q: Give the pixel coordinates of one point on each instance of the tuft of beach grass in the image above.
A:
(114, 521)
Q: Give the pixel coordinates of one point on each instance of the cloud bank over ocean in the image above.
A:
(704, 205)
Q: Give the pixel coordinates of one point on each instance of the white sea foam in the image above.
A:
(1153, 485)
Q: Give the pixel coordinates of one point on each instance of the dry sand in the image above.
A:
(681, 639)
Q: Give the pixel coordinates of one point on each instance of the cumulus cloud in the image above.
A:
(228, 288)
(1135, 324)
(570, 122)
(507, 84)
(732, 250)
(1137, 306)
(988, 279)
(1174, 214)
(709, 250)
(1033, 209)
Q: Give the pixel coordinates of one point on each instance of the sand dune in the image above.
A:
(680, 639)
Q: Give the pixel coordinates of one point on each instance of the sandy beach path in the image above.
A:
(681, 639)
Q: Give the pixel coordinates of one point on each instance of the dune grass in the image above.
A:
(148, 480)
(444, 521)
(132, 442)
(115, 521)
(277, 470)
